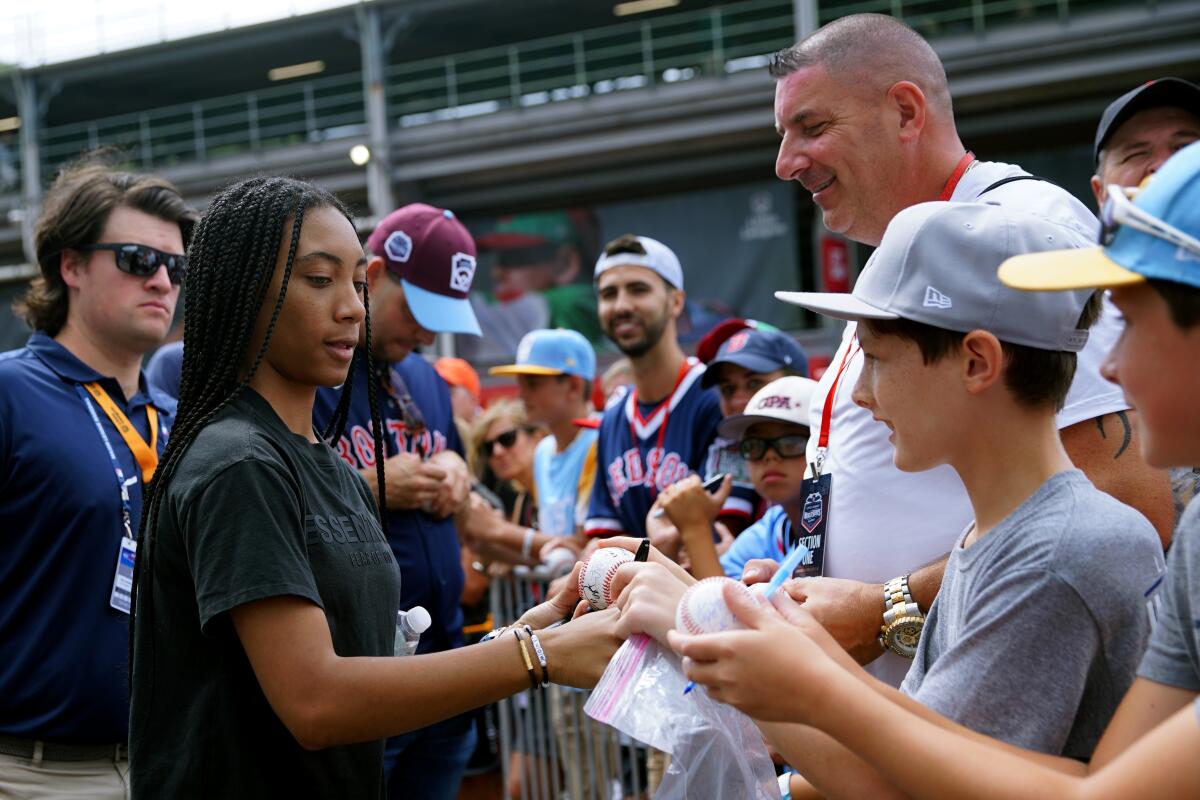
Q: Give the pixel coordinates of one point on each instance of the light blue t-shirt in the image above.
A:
(769, 537)
(557, 477)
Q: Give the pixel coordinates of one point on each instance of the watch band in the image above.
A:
(902, 618)
(898, 601)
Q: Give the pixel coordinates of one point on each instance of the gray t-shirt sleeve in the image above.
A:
(245, 539)
(1172, 657)
(1000, 678)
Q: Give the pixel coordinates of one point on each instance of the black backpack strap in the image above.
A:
(1009, 179)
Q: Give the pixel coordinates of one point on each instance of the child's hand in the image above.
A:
(631, 544)
(647, 595)
(690, 507)
(773, 672)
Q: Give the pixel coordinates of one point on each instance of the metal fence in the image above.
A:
(562, 753)
(668, 48)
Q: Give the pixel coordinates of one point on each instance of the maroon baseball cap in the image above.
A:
(433, 255)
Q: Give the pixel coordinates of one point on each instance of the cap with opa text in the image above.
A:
(783, 400)
(1152, 94)
(757, 351)
(937, 265)
(555, 351)
(433, 255)
(657, 257)
(1171, 198)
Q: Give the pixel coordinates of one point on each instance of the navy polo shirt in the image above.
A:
(426, 548)
(64, 653)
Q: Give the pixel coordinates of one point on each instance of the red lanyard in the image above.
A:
(956, 176)
(827, 410)
(665, 406)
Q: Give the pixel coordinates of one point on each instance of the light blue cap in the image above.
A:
(556, 351)
(1173, 197)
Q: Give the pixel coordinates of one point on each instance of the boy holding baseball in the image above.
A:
(1151, 262)
(1042, 614)
(771, 435)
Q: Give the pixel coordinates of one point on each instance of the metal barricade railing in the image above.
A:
(562, 754)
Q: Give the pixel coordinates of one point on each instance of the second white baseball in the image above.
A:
(702, 608)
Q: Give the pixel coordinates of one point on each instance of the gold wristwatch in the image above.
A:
(902, 619)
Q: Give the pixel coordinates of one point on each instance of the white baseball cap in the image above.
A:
(783, 400)
(658, 257)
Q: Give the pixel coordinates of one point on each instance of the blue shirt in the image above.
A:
(638, 456)
(556, 476)
(165, 368)
(64, 664)
(426, 548)
(769, 537)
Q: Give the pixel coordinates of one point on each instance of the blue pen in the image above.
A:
(782, 574)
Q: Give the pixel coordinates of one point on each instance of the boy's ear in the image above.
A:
(982, 361)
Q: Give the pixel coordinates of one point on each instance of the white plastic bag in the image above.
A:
(716, 751)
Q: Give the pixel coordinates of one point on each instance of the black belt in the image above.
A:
(57, 751)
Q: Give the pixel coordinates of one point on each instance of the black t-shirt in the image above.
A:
(253, 511)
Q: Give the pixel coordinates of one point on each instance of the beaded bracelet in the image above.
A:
(541, 656)
(533, 681)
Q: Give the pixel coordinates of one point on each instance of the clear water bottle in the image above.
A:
(409, 627)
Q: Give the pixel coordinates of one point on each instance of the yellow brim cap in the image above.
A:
(1058, 270)
(524, 369)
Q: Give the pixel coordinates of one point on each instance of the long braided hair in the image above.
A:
(231, 264)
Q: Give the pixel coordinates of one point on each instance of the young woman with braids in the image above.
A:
(267, 593)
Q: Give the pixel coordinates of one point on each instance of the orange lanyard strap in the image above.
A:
(146, 454)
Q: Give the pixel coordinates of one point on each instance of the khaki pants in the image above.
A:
(25, 779)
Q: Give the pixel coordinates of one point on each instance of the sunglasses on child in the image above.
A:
(142, 260)
(505, 440)
(1119, 210)
(790, 446)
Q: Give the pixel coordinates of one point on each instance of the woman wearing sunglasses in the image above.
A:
(266, 591)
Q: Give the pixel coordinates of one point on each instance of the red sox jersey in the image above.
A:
(642, 449)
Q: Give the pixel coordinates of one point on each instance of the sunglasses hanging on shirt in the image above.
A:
(142, 260)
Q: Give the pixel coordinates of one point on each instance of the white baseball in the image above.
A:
(702, 608)
(596, 575)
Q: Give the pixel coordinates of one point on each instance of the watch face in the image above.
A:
(903, 636)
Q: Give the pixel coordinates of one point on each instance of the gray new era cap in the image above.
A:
(937, 265)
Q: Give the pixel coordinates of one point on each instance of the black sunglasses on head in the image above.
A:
(790, 446)
(505, 440)
(142, 260)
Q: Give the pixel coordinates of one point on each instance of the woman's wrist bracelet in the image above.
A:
(527, 545)
(533, 681)
(541, 656)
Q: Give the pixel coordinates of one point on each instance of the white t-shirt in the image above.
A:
(884, 522)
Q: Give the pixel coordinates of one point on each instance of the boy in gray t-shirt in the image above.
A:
(1042, 615)
(1038, 626)
(1173, 657)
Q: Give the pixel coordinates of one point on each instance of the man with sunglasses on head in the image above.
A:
(421, 265)
(80, 436)
(1137, 133)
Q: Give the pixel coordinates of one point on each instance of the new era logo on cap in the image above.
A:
(462, 272)
(935, 299)
(398, 246)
